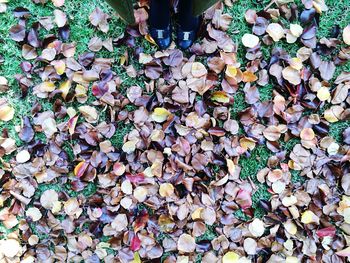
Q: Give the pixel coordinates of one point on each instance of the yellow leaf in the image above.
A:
(145, 58)
(333, 148)
(60, 66)
(323, 93)
(308, 217)
(6, 113)
(65, 87)
(290, 227)
(292, 260)
(307, 134)
(330, 116)
(197, 213)
(231, 71)
(47, 86)
(166, 190)
(247, 143)
(137, 258)
(122, 60)
(230, 257)
(220, 96)
(160, 114)
(150, 39)
(80, 91)
(275, 31)
(80, 169)
(292, 75)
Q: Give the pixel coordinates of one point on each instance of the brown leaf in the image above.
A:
(18, 33)
(28, 52)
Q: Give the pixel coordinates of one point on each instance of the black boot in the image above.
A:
(160, 29)
(188, 24)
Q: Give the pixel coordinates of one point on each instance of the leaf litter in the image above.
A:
(179, 172)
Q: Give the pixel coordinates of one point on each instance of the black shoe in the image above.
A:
(185, 38)
(162, 37)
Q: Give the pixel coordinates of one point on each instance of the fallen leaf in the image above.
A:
(166, 189)
(186, 243)
(160, 115)
(346, 34)
(275, 31)
(250, 40)
(60, 18)
(292, 75)
(198, 70)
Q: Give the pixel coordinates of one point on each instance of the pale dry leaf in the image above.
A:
(9, 247)
(250, 40)
(198, 70)
(292, 75)
(186, 243)
(60, 18)
(23, 156)
(275, 31)
(346, 35)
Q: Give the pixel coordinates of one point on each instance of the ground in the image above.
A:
(81, 31)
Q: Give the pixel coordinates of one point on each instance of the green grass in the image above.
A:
(337, 128)
(123, 129)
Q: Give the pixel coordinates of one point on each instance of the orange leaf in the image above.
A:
(249, 76)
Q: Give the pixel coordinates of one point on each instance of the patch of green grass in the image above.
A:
(4, 231)
(89, 190)
(255, 162)
(260, 194)
(123, 129)
(239, 103)
(266, 92)
(289, 145)
(338, 14)
(337, 128)
(37, 231)
(250, 166)
(297, 178)
(130, 107)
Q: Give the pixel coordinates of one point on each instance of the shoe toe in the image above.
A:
(185, 44)
(163, 43)
(162, 37)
